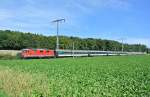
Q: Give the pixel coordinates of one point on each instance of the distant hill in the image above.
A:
(14, 40)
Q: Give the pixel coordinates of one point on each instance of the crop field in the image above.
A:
(106, 76)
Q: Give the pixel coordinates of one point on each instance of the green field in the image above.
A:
(107, 76)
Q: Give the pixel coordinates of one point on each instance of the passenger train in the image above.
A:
(47, 53)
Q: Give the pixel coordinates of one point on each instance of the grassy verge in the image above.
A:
(9, 54)
(8, 57)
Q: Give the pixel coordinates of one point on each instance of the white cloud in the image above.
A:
(131, 40)
(145, 41)
(35, 14)
(90, 5)
(5, 14)
(69, 9)
(77, 7)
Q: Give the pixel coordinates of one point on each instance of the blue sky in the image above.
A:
(105, 19)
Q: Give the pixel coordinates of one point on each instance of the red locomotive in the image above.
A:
(37, 53)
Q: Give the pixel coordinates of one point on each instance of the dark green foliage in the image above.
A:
(148, 51)
(12, 40)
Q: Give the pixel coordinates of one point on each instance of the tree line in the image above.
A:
(15, 40)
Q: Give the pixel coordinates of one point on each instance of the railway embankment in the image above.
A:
(9, 54)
